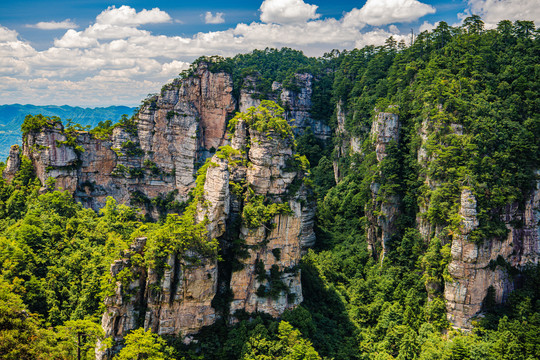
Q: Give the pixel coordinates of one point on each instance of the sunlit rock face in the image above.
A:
(266, 276)
(477, 267)
(173, 133)
(297, 102)
(170, 137)
(484, 266)
(273, 252)
(13, 163)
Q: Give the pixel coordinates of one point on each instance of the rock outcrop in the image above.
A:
(254, 201)
(251, 199)
(382, 214)
(486, 265)
(268, 278)
(13, 163)
(477, 267)
(155, 153)
(296, 101)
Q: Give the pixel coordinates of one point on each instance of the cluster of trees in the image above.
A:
(474, 91)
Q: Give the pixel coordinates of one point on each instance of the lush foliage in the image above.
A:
(144, 345)
(266, 118)
(468, 104)
(38, 122)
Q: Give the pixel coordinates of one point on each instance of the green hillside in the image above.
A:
(56, 255)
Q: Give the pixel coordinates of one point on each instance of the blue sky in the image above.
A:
(97, 53)
(17, 15)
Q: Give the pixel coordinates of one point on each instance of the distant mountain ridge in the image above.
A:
(12, 116)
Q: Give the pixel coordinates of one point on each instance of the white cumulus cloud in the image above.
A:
(125, 15)
(210, 18)
(7, 34)
(493, 11)
(54, 25)
(115, 61)
(75, 39)
(287, 11)
(383, 12)
(427, 26)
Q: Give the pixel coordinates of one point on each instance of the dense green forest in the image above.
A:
(55, 254)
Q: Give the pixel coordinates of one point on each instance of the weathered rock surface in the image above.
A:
(178, 300)
(382, 215)
(273, 251)
(342, 136)
(13, 163)
(52, 158)
(123, 311)
(384, 129)
(475, 267)
(297, 103)
(172, 134)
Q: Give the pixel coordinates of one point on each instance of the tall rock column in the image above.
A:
(382, 214)
(13, 163)
(477, 267)
(276, 223)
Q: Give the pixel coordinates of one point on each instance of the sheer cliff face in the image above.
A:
(178, 300)
(475, 267)
(297, 103)
(274, 249)
(172, 134)
(187, 121)
(13, 163)
(382, 215)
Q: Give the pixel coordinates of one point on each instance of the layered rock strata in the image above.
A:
(243, 184)
(13, 163)
(273, 249)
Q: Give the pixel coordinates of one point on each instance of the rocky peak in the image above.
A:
(296, 99)
(155, 153)
(250, 196)
(13, 163)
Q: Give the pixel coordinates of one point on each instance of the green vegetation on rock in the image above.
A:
(468, 107)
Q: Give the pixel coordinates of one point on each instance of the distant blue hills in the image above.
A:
(12, 117)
